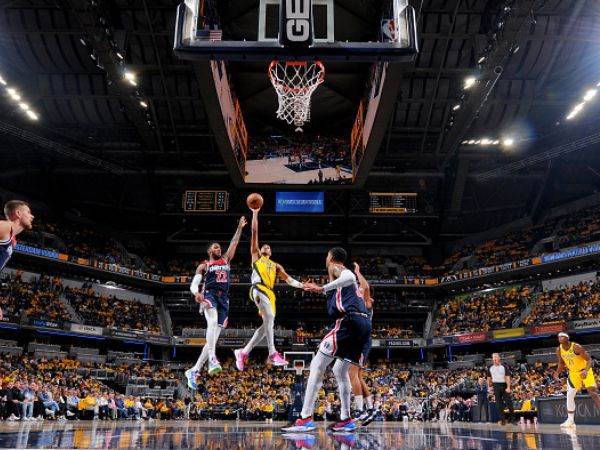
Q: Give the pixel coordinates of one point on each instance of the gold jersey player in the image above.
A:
(264, 274)
(579, 364)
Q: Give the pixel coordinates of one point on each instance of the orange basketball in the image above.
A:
(254, 201)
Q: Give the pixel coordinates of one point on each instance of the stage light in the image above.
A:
(143, 104)
(13, 94)
(590, 94)
(469, 82)
(480, 60)
(24, 106)
(471, 142)
(485, 141)
(496, 142)
(32, 115)
(119, 55)
(130, 77)
(456, 107)
(508, 142)
(2, 81)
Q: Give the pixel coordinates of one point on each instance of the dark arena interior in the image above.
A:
(419, 269)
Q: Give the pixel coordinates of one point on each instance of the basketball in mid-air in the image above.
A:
(254, 201)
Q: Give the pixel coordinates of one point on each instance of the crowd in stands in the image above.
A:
(38, 298)
(41, 299)
(581, 301)
(482, 311)
(111, 312)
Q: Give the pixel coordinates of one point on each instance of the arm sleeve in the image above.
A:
(294, 283)
(346, 278)
(195, 283)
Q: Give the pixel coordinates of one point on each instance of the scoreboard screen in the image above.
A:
(392, 202)
(205, 201)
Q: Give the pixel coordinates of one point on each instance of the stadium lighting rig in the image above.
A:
(485, 142)
(587, 98)
(17, 98)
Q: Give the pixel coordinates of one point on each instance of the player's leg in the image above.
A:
(213, 330)
(592, 388)
(242, 354)
(192, 373)
(318, 366)
(341, 372)
(572, 387)
(359, 403)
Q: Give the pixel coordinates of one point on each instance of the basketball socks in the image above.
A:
(359, 402)
(315, 380)
(340, 371)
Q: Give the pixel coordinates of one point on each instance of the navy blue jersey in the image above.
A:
(6, 250)
(216, 276)
(345, 300)
(370, 314)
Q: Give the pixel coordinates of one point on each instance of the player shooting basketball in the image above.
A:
(213, 300)
(264, 274)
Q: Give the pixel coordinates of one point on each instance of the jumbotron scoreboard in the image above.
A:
(205, 201)
(392, 202)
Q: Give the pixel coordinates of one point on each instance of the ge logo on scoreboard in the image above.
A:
(296, 23)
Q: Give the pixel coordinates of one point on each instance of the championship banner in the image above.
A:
(584, 323)
(399, 342)
(508, 333)
(471, 338)
(86, 329)
(548, 328)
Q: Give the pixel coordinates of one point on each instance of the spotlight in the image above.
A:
(496, 142)
(119, 55)
(469, 82)
(13, 94)
(2, 81)
(485, 141)
(478, 141)
(24, 106)
(32, 115)
(456, 107)
(508, 142)
(471, 142)
(130, 77)
(464, 142)
(480, 60)
(590, 94)
(83, 42)
(143, 104)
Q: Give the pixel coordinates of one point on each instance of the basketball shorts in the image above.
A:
(259, 289)
(575, 381)
(220, 301)
(348, 338)
(366, 350)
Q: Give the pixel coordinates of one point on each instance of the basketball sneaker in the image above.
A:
(347, 426)
(569, 423)
(300, 426)
(214, 366)
(241, 359)
(367, 417)
(190, 374)
(277, 360)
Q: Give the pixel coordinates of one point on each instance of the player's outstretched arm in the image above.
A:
(339, 277)
(254, 250)
(282, 274)
(365, 286)
(230, 253)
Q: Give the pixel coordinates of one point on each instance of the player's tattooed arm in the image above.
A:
(230, 253)
(560, 364)
(334, 271)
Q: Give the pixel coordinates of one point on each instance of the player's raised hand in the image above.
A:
(199, 297)
(356, 268)
(243, 222)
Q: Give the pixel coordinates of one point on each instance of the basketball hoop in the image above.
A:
(294, 83)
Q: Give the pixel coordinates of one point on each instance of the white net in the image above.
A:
(294, 83)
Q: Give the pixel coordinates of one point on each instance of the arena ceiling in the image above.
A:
(95, 144)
